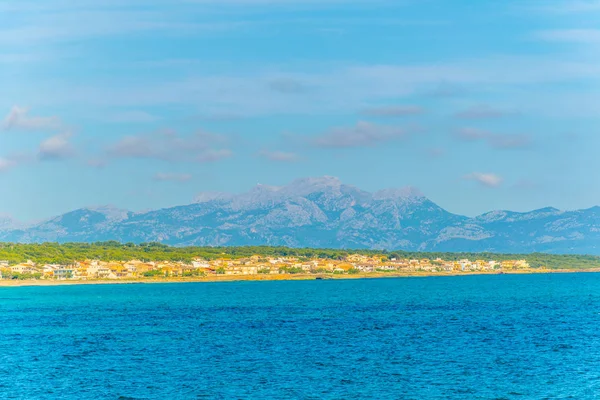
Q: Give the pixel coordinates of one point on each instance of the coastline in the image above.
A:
(276, 277)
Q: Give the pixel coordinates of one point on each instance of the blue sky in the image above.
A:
(144, 104)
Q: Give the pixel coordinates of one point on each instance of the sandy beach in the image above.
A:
(274, 277)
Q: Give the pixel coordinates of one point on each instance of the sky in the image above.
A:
(144, 104)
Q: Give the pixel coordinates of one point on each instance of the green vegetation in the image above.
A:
(535, 260)
(153, 273)
(54, 253)
(290, 270)
(21, 277)
(264, 271)
(195, 273)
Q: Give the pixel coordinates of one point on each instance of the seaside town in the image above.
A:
(354, 264)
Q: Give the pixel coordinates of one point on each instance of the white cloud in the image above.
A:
(134, 116)
(18, 58)
(15, 159)
(170, 177)
(6, 164)
(495, 140)
(485, 179)
(472, 134)
(57, 21)
(363, 134)
(213, 155)
(436, 152)
(507, 142)
(169, 146)
(287, 85)
(570, 35)
(280, 156)
(482, 112)
(19, 118)
(56, 147)
(54, 26)
(393, 111)
(97, 162)
(570, 6)
(333, 89)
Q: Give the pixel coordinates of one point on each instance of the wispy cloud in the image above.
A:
(171, 177)
(570, 6)
(97, 162)
(482, 112)
(287, 85)
(507, 142)
(168, 145)
(393, 111)
(494, 140)
(133, 116)
(472, 134)
(446, 89)
(436, 152)
(527, 185)
(279, 156)
(19, 118)
(70, 25)
(6, 164)
(213, 155)
(18, 58)
(59, 21)
(275, 3)
(14, 160)
(333, 88)
(485, 179)
(363, 134)
(570, 35)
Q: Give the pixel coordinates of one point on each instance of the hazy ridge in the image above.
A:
(324, 212)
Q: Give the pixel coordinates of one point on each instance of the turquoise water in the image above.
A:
(473, 337)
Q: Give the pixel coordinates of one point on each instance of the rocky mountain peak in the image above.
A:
(407, 194)
(323, 212)
(7, 222)
(111, 212)
(206, 197)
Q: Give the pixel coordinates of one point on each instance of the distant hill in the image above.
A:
(324, 212)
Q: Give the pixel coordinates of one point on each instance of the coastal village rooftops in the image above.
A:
(136, 269)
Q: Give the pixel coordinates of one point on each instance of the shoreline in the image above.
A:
(276, 277)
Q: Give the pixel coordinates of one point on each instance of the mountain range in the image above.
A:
(323, 212)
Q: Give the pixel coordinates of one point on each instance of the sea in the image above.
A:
(466, 337)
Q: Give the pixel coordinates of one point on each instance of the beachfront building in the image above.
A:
(63, 273)
(23, 269)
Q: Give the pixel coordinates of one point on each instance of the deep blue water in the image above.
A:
(473, 337)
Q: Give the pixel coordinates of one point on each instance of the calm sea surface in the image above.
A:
(477, 337)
